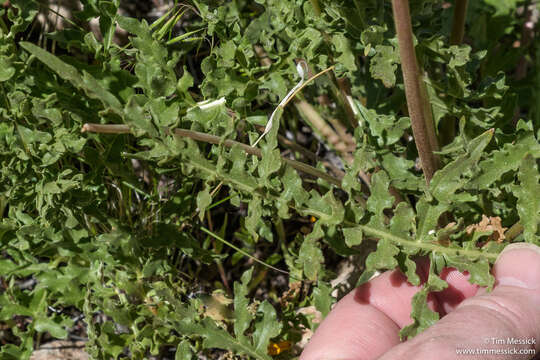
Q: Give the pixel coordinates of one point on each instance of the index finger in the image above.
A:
(366, 322)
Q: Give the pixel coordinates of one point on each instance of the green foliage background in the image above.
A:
(127, 251)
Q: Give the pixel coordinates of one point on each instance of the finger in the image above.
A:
(459, 288)
(355, 328)
(366, 323)
(505, 320)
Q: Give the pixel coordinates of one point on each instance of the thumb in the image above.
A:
(503, 324)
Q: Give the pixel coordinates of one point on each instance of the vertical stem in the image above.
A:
(415, 91)
(316, 7)
(458, 22)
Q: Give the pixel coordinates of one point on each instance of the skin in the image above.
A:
(365, 324)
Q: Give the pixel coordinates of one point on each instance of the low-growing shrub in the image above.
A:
(137, 212)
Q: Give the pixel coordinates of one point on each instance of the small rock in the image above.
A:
(61, 349)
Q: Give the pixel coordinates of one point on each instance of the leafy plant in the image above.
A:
(131, 197)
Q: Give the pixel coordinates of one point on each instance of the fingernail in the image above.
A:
(519, 265)
(519, 246)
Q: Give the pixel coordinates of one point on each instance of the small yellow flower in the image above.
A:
(279, 347)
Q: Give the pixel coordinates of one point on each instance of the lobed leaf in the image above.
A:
(528, 204)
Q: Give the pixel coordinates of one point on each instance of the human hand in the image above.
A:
(365, 324)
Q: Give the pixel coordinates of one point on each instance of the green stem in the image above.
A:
(374, 232)
(215, 236)
(426, 246)
(514, 231)
(415, 91)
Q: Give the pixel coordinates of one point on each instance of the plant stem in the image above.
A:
(415, 91)
(255, 151)
(215, 236)
(374, 234)
(514, 231)
(381, 234)
(195, 135)
(458, 22)
(307, 82)
(106, 129)
(321, 126)
(316, 7)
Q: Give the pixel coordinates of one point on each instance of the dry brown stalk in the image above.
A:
(212, 139)
(323, 128)
(335, 141)
(415, 91)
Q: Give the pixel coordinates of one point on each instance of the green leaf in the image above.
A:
(203, 201)
(270, 163)
(423, 317)
(107, 21)
(383, 65)
(402, 223)
(461, 55)
(353, 236)
(254, 220)
(68, 72)
(218, 338)
(241, 312)
(409, 269)
(6, 69)
(310, 256)
(435, 283)
(528, 204)
(506, 159)
(26, 11)
(380, 198)
(183, 351)
(131, 25)
(267, 328)
(292, 187)
(136, 117)
(449, 179)
(163, 115)
(184, 83)
(384, 257)
(373, 35)
(428, 217)
(479, 270)
(277, 85)
(48, 325)
(502, 7)
(95, 90)
(399, 170)
(326, 209)
(385, 128)
(322, 298)
(346, 57)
